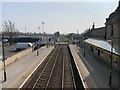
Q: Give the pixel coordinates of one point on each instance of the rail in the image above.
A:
(57, 71)
(43, 70)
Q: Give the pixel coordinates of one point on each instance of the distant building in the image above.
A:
(98, 33)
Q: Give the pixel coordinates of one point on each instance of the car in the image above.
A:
(21, 46)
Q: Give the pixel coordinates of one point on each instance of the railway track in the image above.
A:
(55, 72)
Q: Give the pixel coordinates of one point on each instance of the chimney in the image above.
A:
(93, 26)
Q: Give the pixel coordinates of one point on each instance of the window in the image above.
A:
(29, 45)
(92, 49)
(101, 52)
(95, 49)
(116, 60)
(110, 56)
(112, 31)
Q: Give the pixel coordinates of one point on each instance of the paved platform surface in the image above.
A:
(95, 74)
(18, 71)
(98, 70)
(85, 76)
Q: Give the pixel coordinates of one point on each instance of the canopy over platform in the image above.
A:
(102, 44)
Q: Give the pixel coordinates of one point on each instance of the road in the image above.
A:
(9, 50)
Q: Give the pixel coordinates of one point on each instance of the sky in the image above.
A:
(66, 17)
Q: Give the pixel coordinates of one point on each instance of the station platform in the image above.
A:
(93, 73)
(18, 71)
(84, 74)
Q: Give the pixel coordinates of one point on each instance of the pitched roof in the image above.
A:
(98, 32)
(103, 44)
(115, 15)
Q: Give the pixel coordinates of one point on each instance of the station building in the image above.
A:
(104, 42)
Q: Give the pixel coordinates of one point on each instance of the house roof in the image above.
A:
(102, 44)
(115, 15)
(98, 32)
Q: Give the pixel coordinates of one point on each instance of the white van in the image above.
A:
(20, 46)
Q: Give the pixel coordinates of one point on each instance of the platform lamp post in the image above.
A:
(39, 31)
(47, 41)
(37, 50)
(3, 57)
(38, 43)
(111, 58)
(77, 39)
(42, 30)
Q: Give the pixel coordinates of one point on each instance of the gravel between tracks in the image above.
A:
(52, 73)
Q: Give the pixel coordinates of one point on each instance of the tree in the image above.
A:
(70, 36)
(9, 31)
(57, 35)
